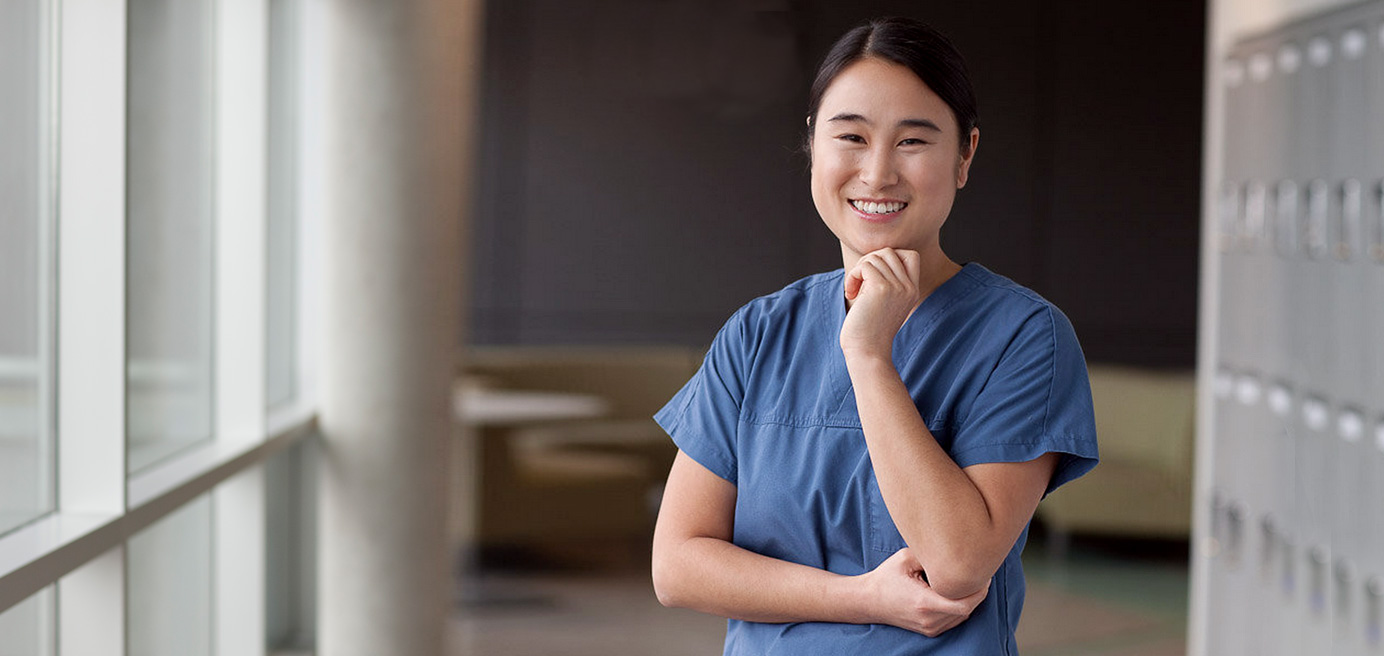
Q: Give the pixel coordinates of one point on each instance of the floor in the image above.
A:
(1102, 598)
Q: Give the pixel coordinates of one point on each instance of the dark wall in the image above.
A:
(640, 174)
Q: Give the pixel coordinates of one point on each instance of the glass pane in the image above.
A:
(26, 463)
(281, 384)
(290, 483)
(169, 260)
(169, 584)
(27, 629)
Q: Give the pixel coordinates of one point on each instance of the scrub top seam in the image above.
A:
(1042, 442)
(805, 422)
(1052, 370)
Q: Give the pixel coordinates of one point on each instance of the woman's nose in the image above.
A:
(878, 169)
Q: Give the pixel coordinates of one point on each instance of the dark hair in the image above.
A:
(909, 43)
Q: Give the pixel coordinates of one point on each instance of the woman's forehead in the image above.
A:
(883, 93)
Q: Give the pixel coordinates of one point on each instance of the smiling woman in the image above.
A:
(862, 451)
(886, 164)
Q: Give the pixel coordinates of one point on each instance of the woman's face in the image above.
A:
(886, 161)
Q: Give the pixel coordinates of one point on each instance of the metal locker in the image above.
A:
(1346, 166)
(1262, 463)
(1372, 511)
(1298, 419)
(1242, 197)
(1310, 273)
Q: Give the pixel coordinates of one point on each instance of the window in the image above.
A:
(169, 228)
(282, 237)
(170, 579)
(27, 628)
(26, 334)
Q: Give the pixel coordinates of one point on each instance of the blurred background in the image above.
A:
(641, 177)
(336, 327)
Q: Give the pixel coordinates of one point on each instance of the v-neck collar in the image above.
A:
(923, 318)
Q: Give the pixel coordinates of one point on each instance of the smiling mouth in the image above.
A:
(872, 207)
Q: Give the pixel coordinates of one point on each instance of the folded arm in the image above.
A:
(960, 523)
(696, 565)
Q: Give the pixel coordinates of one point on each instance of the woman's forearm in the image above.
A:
(938, 509)
(715, 576)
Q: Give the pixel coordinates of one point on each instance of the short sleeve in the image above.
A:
(702, 418)
(1037, 401)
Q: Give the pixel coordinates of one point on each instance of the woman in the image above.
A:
(861, 452)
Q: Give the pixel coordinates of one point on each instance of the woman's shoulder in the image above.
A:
(810, 293)
(999, 306)
(995, 288)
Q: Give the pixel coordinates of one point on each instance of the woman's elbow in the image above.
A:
(961, 580)
(666, 581)
(958, 587)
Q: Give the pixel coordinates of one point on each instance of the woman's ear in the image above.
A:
(963, 165)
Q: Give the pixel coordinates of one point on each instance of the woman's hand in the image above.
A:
(883, 290)
(900, 597)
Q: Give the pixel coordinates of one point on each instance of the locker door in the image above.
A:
(1348, 383)
(1241, 197)
(1311, 335)
(1372, 514)
(1276, 459)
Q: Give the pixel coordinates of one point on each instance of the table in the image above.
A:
(482, 413)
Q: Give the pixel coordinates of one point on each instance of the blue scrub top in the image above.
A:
(997, 375)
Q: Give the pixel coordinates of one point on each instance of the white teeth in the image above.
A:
(871, 207)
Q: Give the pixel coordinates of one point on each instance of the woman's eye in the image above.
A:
(912, 142)
(853, 138)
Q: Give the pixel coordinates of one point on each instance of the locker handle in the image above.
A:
(1230, 215)
(1247, 389)
(1353, 44)
(1289, 59)
(1351, 425)
(1377, 247)
(1281, 399)
(1286, 213)
(1251, 228)
(1319, 52)
(1374, 589)
(1348, 231)
(1318, 209)
(1345, 575)
(1319, 556)
(1315, 414)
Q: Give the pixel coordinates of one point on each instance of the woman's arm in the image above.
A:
(695, 565)
(959, 523)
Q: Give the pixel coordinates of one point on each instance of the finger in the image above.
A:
(913, 262)
(854, 280)
(872, 267)
(896, 265)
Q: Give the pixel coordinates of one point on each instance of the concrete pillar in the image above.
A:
(388, 108)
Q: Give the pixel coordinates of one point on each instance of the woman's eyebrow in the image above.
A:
(920, 123)
(908, 122)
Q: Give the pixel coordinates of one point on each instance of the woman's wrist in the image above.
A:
(867, 361)
(858, 597)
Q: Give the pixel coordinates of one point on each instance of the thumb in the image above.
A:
(854, 280)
